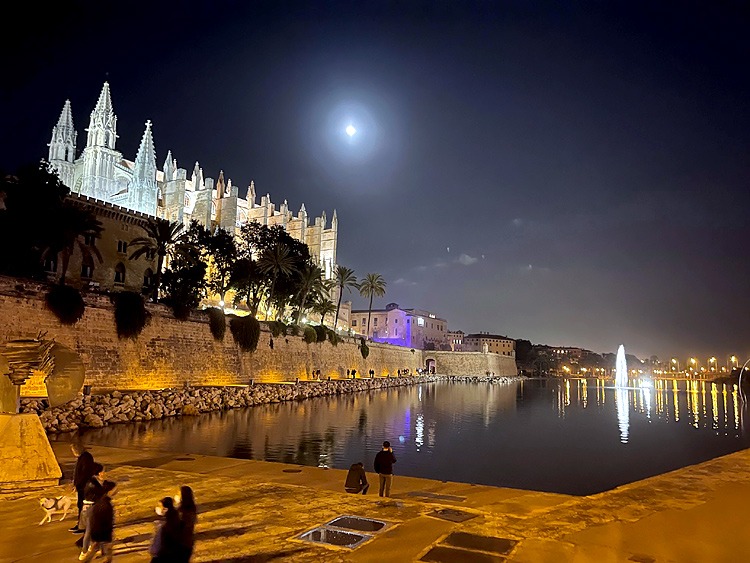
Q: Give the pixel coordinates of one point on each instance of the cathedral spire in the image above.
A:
(143, 191)
(62, 145)
(169, 167)
(103, 125)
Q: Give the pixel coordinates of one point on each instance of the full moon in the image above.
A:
(350, 130)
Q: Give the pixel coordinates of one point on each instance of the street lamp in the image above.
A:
(712, 363)
(676, 364)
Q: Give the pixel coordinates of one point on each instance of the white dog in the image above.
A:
(55, 505)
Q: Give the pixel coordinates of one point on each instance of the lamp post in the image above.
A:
(712, 364)
(675, 365)
(693, 363)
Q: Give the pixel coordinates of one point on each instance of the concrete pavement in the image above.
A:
(255, 511)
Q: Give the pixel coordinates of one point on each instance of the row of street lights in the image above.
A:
(693, 365)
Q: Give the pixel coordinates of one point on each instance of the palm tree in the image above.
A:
(76, 225)
(311, 282)
(164, 238)
(370, 286)
(276, 261)
(345, 279)
(323, 307)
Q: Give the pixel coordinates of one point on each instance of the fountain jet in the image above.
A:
(621, 368)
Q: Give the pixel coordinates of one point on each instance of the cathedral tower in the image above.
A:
(99, 156)
(62, 146)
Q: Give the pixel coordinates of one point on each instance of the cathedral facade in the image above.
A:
(102, 172)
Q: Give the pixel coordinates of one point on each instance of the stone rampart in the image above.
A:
(472, 363)
(171, 353)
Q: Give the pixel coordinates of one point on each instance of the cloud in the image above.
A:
(403, 281)
(517, 222)
(467, 260)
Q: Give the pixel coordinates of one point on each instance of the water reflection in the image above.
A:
(576, 435)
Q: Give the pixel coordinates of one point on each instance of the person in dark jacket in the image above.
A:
(92, 492)
(384, 461)
(188, 515)
(356, 479)
(81, 476)
(101, 524)
(166, 547)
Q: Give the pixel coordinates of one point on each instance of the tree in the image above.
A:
(324, 306)
(163, 238)
(345, 279)
(274, 262)
(249, 283)
(32, 199)
(220, 252)
(74, 226)
(311, 283)
(372, 285)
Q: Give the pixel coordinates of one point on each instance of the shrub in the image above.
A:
(131, 315)
(363, 349)
(277, 328)
(217, 322)
(246, 332)
(293, 330)
(320, 332)
(310, 335)
(66, 303)
(333, 338)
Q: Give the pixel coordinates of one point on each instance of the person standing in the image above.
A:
(101, 525)
(356, 479)
(384, 461)
(166, 546)
(92, 492)
(81, 475)
(188, 515)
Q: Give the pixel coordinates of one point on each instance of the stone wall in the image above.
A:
(472, 363)
(170, 353)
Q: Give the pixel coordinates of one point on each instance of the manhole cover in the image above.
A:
(291, 471)
(357, 523)
(501, 546)
(334, 537)
(184, 459)
(443, 554)
(451, 515)
(435, 496)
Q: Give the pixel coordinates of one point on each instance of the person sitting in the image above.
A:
(356, 479)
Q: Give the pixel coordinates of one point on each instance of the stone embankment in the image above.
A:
(482, 378)
(95, 411)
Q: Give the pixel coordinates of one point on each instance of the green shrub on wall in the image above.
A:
(333, 338)
(363, 349)
(66, 303)
(246, 332)
(293, 330)
(277, 328)
(131, 315)
(320, 333)
(310, 335)
(217, 322)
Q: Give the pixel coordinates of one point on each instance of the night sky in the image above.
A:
(574, 175)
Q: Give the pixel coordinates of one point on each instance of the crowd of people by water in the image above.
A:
(173, 538)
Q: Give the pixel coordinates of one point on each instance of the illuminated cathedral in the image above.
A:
(101, 172)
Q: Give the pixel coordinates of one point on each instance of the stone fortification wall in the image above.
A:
(170, 353)
(472, 363)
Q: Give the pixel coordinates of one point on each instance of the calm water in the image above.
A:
(571, 436)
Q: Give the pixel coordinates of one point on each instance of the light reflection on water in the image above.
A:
(551, 435)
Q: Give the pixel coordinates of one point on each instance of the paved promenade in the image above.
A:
(253, 511)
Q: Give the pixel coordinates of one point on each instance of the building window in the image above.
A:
(122, 247)
(150, 254)
(395, 321)
(50, 264)
(364, 321)
(120, 273)
(89, 239)
(354, 323)
(148, 278)
(87, 270)
(375, 321)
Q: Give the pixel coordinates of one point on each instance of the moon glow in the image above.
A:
(350, 130)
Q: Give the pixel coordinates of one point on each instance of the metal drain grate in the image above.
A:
(184, 459)
(435, 496)
(334, 537)
(358, 523)
(443, 554)
(464, 540)
(451, 515)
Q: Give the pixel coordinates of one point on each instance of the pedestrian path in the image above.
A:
(256, 511)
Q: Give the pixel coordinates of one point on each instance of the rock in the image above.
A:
(93, 421)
